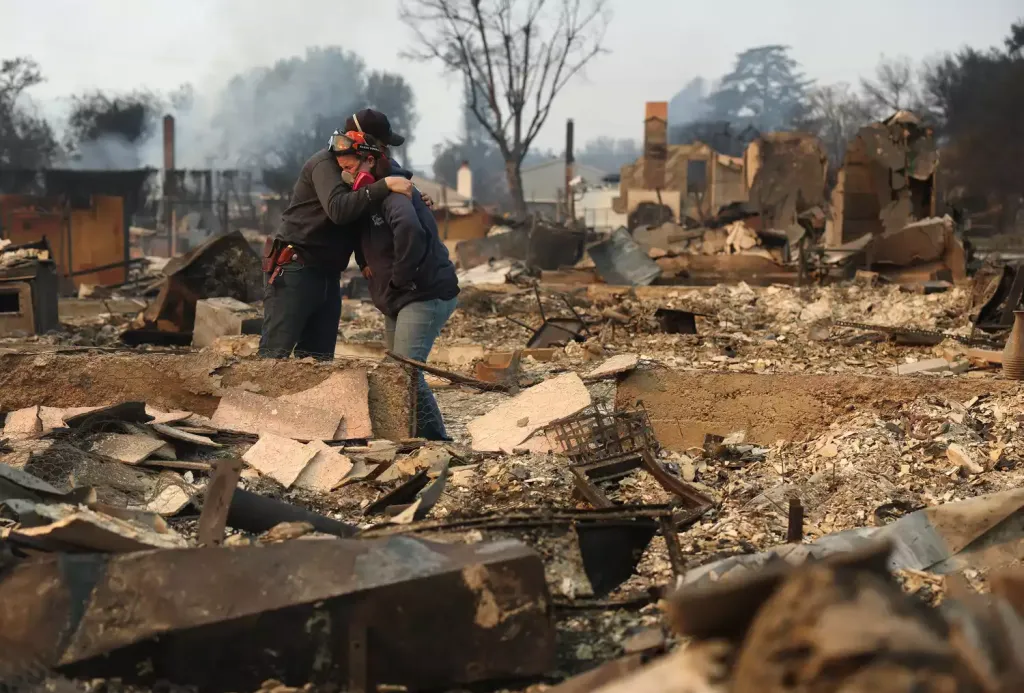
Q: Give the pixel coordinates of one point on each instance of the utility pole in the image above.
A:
(570, 198)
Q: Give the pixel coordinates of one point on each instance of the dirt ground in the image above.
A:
(687, 405)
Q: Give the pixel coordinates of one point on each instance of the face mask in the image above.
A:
(363, 179)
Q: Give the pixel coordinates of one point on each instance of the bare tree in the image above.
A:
(515, 57)
(836, 115)
(894, 88)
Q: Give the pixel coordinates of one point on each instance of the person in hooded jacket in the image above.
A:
(411, 278)
(304, 260)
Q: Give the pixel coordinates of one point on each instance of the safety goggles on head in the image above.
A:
(352, 143)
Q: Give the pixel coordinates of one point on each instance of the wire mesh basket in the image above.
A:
(597, 434)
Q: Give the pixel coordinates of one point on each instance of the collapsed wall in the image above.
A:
(191, 382)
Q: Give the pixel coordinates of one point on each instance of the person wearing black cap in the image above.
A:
(314, 244)
(412, 280)
(375, 124)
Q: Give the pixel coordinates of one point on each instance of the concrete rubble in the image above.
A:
(863, 404)
(756, 443)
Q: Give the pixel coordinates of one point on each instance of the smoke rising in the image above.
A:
(108, 152)
(264, 117)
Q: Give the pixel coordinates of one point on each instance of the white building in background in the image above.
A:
(544, 185)
(442, 195)
(594, 208)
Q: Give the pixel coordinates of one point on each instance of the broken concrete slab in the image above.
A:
(165, 453)
(167, 417)
(346, 394)
(280, 458)
(223, 316)
(920, 242)
(183, 436)
(376, 451)
(23, 423)
(169, 501)
(325, 471)
(985, 356)
(515, 420)
(623, 363)
(431, 458)
(51, 418)
(126, 447)
(246, 412)
(451, 615)
(499, 367)
(489, 273)
(537, 444)
(937, 365)
(78, 529)
(457, 354)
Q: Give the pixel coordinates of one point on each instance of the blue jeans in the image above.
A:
(412, 335)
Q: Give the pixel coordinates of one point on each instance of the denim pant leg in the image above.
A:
(287, 306)
(412, 334)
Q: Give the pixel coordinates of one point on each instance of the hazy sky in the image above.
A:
(655, 47)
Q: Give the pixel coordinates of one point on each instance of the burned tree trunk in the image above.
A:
(514, 175)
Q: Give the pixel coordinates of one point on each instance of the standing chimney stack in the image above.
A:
(168, 206)
(168, 143)
(655, 144)
(464, 181)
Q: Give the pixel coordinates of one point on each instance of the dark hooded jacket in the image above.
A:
(400, 244)
(321, 209)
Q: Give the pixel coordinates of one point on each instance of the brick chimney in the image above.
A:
(168, 142)
(464, 181)
(655, 144)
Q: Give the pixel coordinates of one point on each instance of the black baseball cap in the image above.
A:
(376, 124)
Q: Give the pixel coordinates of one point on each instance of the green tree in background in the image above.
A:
(277, 117)
(765, 90)
(26, 139)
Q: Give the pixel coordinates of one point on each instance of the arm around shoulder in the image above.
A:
(342, 204)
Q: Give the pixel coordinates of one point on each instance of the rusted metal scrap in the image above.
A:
(225, 266)
(997, 294)
(611, 444)
(596, 435)
(395, 612)
(611, 539)
(554, 332)
(607, 445)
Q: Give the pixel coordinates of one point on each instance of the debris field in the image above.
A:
(689, 488)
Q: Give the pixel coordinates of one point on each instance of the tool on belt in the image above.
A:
(277, 254)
